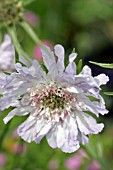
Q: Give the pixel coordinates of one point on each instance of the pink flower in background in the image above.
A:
(31, 18)
(53, 165)
(74, 162)
(19, 148)
(14, 146)
(3, 159)
(37, 50)
(15, 134)
(94, 166)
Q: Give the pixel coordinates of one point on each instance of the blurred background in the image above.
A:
(86, 26)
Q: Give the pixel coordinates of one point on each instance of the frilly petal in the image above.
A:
(64, 136)
(70, 147)
(87, 124)
(71, 68)
(21, 111)
(101, 79)
(59, 52)
(86, 71)
(48, 58)
(7, 54)
(51, 137)
(82, 138)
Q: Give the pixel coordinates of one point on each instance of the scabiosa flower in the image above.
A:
(57, 102)
(7, 55)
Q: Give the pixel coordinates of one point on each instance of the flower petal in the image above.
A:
(59, 52)
(6, 102)
(7, 54)
(20, 111)
(22, 60)
(101, 79)
(71, 68)
(33, 129)
(28, 129)
(48, 59)
(87, 124)
(82, 138)
(67, 148)
(44, 131)
(51, 137)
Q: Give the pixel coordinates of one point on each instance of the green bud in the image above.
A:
(11, 11)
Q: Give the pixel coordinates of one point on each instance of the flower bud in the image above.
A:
(11, 11)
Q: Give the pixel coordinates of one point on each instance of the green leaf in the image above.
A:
(109, 93)
(44, 67)
(79, 66)
(104, 65)
(93, 98)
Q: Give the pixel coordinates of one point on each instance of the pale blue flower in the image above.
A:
(57, 102)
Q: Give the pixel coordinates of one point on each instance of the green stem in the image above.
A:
(27, 2)
(4, 134)
(12, 33)
(90, 150)
(33, 36)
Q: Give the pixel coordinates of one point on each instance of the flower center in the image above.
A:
(49, 97)
(10, 11)
(52, 102)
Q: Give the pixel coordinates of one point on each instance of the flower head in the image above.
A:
(7, 55)
(57, 102)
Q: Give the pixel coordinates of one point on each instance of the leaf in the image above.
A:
(79, 66)
(109, 93)
(104, 65)
(44, 67)
(73, 50)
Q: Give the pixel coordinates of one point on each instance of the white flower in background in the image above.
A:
(57, 102)
(7, 55)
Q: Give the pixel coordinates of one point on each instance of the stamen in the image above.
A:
(54, 100)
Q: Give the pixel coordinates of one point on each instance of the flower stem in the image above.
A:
(27, 2)
(12, 33)
(33, 36)
(4, 134)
